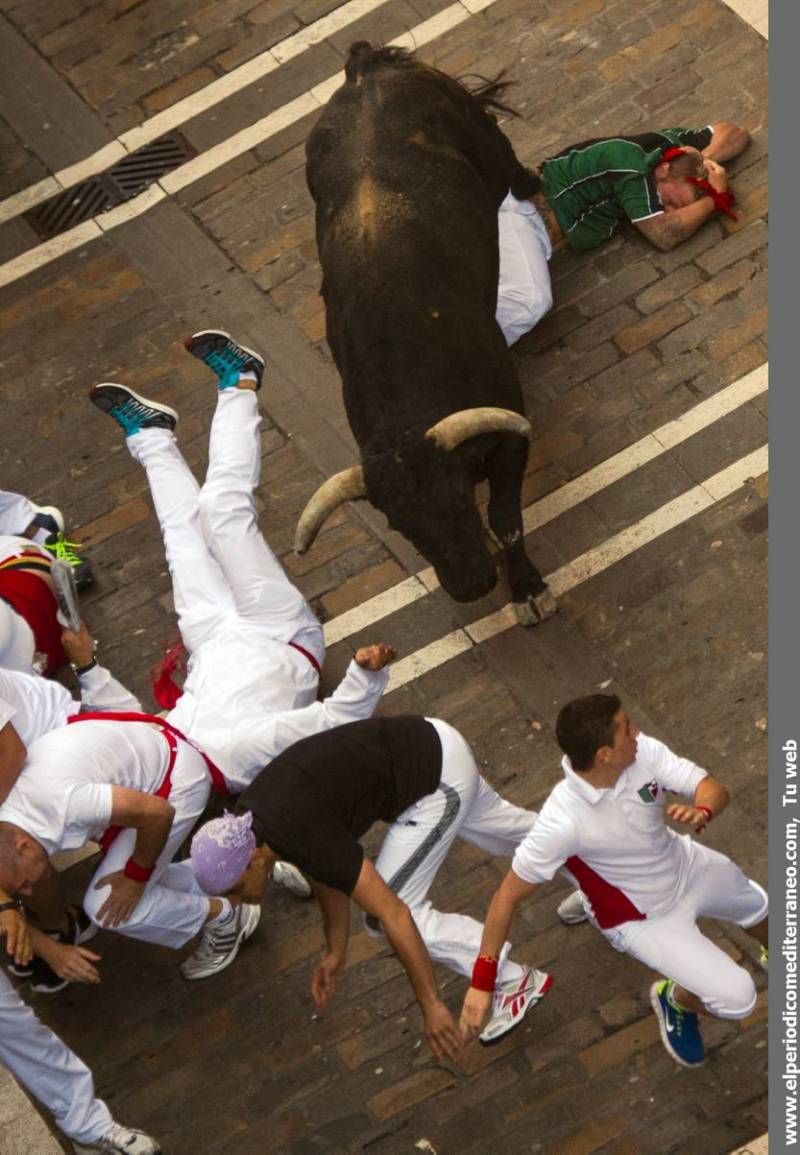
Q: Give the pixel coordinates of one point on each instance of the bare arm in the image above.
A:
(728, 141)
(335, 907)
(151, 818)
(710, 794)
(667, 230)
(374, 896)
(510, 893)
(100, 690)
(12, 759)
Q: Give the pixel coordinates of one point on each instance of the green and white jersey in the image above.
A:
(593, 186)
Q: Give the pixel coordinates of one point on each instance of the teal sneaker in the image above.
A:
(130, 411)
(680, 1032)
(225, 357)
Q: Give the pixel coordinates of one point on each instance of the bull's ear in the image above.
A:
(345, 486)
(451, 431)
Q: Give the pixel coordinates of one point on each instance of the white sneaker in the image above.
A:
(289, 876)
(572, 909)
(512, 1001)
(219, 945)
(122, 1139)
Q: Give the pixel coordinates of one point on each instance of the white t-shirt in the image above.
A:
(614, 841)
(247, 697)
(36, 704)
(63, 797)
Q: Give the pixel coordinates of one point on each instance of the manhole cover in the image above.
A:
(124, 180)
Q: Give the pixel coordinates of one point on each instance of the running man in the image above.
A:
(320, 797)
(642, 885)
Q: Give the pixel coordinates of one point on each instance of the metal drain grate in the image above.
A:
(124, 180)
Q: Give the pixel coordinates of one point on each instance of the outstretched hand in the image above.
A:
(443, 1035)
(474, 1012)
(375, 657)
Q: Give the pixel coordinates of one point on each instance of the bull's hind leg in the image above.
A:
(530, 593)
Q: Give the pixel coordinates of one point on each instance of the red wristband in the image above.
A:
(484, 973)
(138, 873)
(705, 810)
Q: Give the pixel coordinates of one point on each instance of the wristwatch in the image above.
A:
(10, 906)
(79, 670)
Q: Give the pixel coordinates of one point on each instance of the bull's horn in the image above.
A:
(345, 486)
(451, 431)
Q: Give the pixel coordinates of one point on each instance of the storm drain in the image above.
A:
(124, 180)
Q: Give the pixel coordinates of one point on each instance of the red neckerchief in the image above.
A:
(722, 200)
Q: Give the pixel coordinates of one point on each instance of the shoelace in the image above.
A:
(63, 550)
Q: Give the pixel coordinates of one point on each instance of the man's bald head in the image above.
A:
(23, 860)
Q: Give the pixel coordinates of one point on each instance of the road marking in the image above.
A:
(223, 152)
(753, 12)
(588, 565)
(568, 496)
(190, 107)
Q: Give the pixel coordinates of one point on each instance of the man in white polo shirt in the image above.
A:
(137, 789)
(643, 885)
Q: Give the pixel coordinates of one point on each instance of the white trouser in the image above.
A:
(222, 568)
(417, 843)
(49, 1069)
(17, 645)
(173, 908)
(16, 513)
(672, 944)
(524, 294)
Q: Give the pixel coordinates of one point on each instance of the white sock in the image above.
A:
(224, 916)
(248, 376)
(41, 536)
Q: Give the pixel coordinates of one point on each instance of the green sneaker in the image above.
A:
(763, 958)
(63, 550)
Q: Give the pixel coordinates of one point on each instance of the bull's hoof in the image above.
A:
(536, 608)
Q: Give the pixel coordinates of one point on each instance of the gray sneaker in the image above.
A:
(219, 945)
(126, 1140)
(572, 910)
(284, 874)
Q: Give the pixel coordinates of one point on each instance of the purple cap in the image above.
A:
(221, 852)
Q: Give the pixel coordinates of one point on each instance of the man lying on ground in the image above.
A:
(667, 184)
(321, 796)
(642, 885)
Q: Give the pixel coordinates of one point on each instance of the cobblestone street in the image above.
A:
(646, 503)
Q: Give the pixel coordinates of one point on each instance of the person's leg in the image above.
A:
(201, 594)
(524, 294)
(16, 513)
(166, 916)
(494, 824)
(202, 597)
(263, 593)
(49, 1070)
(17, 645)
(416, 845)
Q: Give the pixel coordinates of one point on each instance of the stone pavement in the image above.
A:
(637, 338)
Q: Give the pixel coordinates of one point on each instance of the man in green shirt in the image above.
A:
(589, 189)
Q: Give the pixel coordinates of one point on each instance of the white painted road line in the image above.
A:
(191, 106)
(224, 152)
(588, 565)
(568, 496)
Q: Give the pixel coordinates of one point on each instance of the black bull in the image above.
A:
(408, 169)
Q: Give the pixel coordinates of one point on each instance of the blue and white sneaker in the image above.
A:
(225, 357)
(680, 1031)
(130, 411)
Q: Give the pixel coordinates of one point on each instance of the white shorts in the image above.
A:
(672, 944)
(524, 294)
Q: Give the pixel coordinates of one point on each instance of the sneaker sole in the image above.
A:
(655, 1003)
(166, 409)
(495, 1039)
(187, 344)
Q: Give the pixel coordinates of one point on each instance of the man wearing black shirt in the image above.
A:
(316, 801)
